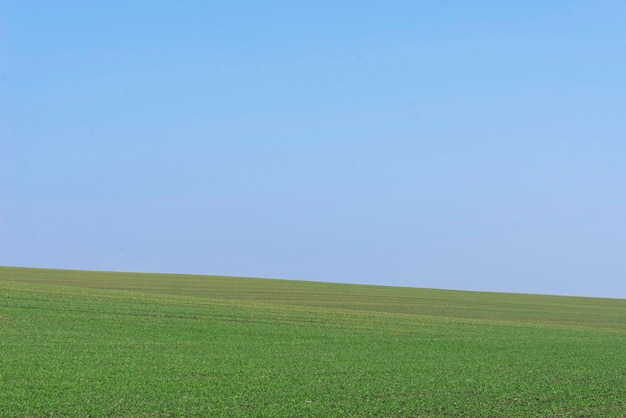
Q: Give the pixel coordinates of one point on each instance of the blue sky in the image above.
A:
(447, 144)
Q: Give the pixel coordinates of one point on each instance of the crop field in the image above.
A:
(80, 343)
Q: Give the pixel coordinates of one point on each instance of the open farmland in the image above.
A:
(82, 343)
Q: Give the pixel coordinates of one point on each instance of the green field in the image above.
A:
(78, 343)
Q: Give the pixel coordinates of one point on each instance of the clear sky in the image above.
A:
(475, 145)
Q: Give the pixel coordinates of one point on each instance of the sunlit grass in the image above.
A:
(94, 343)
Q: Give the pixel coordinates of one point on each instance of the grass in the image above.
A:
(79, 343)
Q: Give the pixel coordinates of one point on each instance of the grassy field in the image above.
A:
(78, 343)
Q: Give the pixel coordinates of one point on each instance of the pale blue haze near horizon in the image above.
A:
(471, 145)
